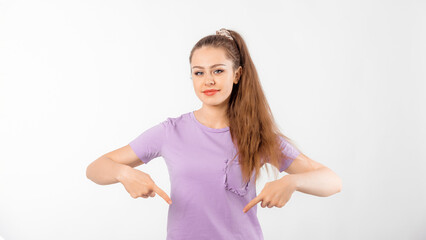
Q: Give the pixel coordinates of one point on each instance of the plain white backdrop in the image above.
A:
(345, 80)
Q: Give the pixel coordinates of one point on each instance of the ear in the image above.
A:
(238, 73)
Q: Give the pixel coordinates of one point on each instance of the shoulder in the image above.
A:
(174, 122)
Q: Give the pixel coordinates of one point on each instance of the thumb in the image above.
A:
(162, 194)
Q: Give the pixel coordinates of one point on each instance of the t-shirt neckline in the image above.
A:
(204, 127)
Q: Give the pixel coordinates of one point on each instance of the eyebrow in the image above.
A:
(210, 66)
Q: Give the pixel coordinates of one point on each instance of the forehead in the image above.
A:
(206, 56)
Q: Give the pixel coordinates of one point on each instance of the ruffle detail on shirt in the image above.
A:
(232, 178)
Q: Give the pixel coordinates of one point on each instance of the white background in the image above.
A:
(78, 79)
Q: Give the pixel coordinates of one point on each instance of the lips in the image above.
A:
(210, 90)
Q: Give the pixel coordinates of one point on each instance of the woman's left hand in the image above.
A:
(275, 194)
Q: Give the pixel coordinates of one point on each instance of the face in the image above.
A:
(210, 69)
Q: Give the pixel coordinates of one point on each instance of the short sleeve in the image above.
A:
(149, 144)
(290, 151)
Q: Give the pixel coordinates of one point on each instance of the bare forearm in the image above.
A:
(321, 182)
(105, 171)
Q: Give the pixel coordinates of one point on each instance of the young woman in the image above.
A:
(214, 154)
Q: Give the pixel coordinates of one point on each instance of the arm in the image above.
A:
(311, 177)
(109, 168)
(305, 175)
(117, 166)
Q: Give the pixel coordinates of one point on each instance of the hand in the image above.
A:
(140, 184)
(276, 193)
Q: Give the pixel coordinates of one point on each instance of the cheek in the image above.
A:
(196, 84)
(229, 84)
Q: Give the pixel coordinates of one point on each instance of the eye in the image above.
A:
(196, 73)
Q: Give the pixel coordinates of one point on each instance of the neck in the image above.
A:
(212, 117)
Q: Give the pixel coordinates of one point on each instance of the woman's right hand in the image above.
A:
(140, 184)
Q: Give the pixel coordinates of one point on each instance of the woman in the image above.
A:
(214, 154)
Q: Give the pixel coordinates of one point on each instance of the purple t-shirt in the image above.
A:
(207, 189)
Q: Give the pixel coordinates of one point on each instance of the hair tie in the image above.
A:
(225, 33)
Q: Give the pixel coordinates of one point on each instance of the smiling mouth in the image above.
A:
(210, 93)
(207, 91)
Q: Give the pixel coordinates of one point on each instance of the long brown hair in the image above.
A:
(252, 125)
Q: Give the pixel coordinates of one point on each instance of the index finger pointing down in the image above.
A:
(253, 202)
(162, 194)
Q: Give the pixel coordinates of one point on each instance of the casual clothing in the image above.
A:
(207, 189)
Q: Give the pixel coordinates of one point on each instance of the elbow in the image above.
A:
(338, 187)
(335, 184)
(89, 172)
(339, 184)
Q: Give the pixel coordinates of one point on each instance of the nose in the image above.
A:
(209, 79)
